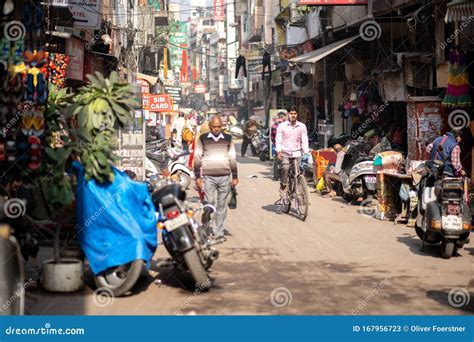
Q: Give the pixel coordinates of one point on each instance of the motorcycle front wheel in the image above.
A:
(119, 280)
(198, 272)
(182, 178)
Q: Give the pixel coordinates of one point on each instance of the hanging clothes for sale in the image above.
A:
(267, 62)
(457, 92)
(241, 63)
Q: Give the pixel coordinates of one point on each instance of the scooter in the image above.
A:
(186, 241)
(170, 156)
(443, 213)
(358, 175)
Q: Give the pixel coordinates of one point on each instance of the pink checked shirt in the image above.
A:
(292, 140)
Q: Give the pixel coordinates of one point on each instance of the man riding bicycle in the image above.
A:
(291, 142)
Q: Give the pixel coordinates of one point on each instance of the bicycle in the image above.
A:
(297, 190)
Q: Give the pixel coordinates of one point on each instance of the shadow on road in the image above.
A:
(415, 246)
(470, 250)
(461, 303)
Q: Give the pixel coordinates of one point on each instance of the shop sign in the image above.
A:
(86, 13)
(75, 51)
(144, 85)
(174, 92)
(158, 103)
(333, 2)
(219, 10)
(200, 88)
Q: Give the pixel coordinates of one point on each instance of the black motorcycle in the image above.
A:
(186, 241)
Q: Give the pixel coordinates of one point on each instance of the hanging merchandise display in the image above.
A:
(24, 82)
(241, 63)
(57, 69)
(457, 93)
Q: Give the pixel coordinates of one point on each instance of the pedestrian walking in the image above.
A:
(250, 129)
(215, 167)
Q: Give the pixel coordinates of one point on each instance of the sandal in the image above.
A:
(330, 195)
(35, 152)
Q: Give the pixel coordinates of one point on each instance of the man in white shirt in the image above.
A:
(178, 124)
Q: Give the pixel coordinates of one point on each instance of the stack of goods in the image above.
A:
(388, 162)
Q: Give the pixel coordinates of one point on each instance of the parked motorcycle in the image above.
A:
(443, 213)
(358, 175)
(186, 241)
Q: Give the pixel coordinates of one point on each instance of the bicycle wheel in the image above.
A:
(302, 197)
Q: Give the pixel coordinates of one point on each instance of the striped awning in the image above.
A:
(459, 11)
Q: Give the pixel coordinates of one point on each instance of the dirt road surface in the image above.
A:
(337, 262)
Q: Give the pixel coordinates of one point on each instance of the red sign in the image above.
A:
(200, 88)
(219, 10)
(333, 2)
(157, 103)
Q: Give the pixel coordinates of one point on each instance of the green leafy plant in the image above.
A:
(99, 108)
(83, 125)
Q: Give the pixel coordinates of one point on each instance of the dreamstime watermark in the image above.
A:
(14, 208)
(46, 330)
(370, 297)
(458, 297)
(281, 297)
(458, 119)
(93, 41)
(103, 297)
(199, 289)
(18, 294)
(103, 208)
(370, 31)
(364, 125)
(14, 30)
(457, 32)
(368, 208)
(16, 118)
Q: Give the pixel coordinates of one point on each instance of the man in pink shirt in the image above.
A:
(291, 142)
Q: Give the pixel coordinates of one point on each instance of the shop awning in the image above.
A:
(459, 10)
(317, 55)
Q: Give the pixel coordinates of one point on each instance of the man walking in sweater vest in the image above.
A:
(215, 167)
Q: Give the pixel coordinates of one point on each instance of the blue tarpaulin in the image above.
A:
(116, 221)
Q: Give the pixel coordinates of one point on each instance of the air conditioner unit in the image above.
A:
(302, 83)
(296, 18)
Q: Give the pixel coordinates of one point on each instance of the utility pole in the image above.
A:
(327, 38)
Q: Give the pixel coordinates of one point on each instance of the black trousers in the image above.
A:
(245, 143)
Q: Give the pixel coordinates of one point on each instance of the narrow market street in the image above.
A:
(337, 262)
